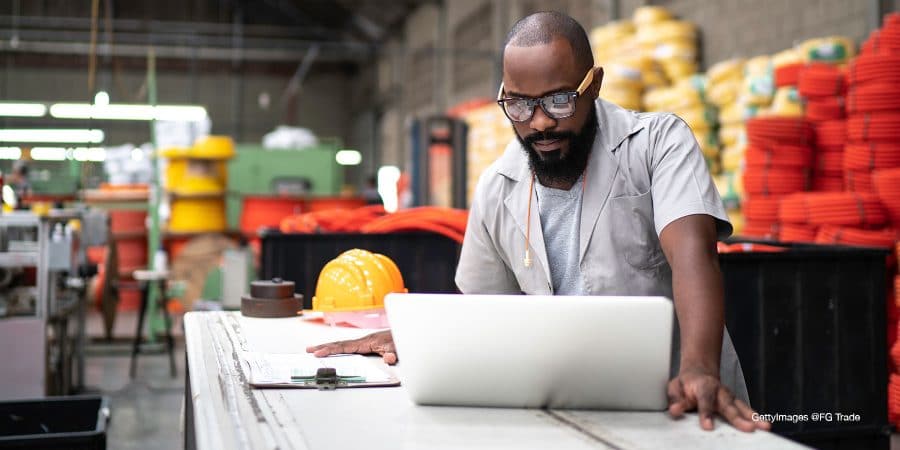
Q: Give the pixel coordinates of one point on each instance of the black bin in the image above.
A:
(809, 325)
(426, 260)
(64, 423)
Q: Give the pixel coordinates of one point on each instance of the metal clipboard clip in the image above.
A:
(327, 379)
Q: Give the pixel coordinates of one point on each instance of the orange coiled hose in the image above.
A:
(894, 397)
(886, 40)
(780, 130)
(778, 156)
(871, 156)
(761, 209)
(792, 232)
(876, 96)
(833, 208)
(775, 181)
(821, 80)
(445, 221)
(762, 230)
(872, 67)
(825, 108)
(853, 236)
(825, 183)
(788, 75)
(829, 163)
(887, 187)
(831, 133)
(858, 181)
(884, 126)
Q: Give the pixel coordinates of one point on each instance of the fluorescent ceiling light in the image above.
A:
(10, 153)
(348, 157)
(10, 109)
(63, 136)
(122, 111)
(89, 154)
(48, 154)
(102, 98)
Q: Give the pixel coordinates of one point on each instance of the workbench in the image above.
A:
(223, 412)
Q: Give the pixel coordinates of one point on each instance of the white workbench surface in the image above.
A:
(223, 412)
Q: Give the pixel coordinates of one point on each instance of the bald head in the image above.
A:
(542, 28)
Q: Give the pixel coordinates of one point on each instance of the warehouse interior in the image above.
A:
(176, 157)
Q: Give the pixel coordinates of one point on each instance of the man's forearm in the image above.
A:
(700, 309)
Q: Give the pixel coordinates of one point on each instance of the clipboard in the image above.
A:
(303, 371)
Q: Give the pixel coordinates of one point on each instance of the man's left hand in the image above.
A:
(701, 391)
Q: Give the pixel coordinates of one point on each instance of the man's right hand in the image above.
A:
(381, 342)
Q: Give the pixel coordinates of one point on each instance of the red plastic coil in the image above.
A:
(858, 181)
(876, 96)
(780, 130)
(825, 108)
(833, 208)
(822, 183)
(761, 209)
(883, 126)
(775, 181)
(792, 232)
(831, 133)
(821, 80)
(887, 188)
(788, 75)
(828, 234)
(871, 156)
(778, 156)
(872, 67)
(829, 163)
(761, 230)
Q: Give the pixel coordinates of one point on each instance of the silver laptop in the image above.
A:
(519, 351)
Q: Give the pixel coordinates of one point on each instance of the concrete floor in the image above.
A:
(146, 411)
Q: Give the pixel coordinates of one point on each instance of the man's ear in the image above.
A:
(598, 82)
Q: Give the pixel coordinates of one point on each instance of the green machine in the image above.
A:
(259, 171)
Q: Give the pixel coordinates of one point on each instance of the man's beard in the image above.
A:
(554, 167)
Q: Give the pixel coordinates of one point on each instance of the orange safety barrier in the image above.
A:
(780, 130)
(831, 133)
(778, 156)
(762, 230)
(825, 183)
(829, 163)
(821, 80)
(792, 232)
(829, 234)
(775, 181)
(788, 75)
(833, 208)
(858, 181)
(761, 209)
(884, 126)
(825, 108)
(871, 156)
(873, 97)
(887, 187)
(868, 68)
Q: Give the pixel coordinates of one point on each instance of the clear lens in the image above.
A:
(518, 110)
(559, 106)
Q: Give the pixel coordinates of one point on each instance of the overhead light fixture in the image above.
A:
(122, 111)
(89, 154)
(101, 99)
(11, 109)
(62, 136)
(10, 153)
(388, 176)
(348, 158)
(48, 154)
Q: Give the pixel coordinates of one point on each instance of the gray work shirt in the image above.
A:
(645, 171)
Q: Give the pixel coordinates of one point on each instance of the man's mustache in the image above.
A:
(548, 136)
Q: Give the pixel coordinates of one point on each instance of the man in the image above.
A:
(592, 199)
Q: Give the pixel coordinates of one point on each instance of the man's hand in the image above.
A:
(695, 389)
(381, 343)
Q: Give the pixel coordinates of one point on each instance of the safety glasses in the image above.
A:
(557, 105)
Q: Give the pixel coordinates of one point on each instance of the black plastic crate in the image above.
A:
(809, 325)
(426, 260)
(70, 423)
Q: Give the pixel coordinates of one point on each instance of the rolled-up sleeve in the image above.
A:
(680, 181)
(481, 268)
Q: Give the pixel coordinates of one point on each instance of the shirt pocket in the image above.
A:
(634, 232)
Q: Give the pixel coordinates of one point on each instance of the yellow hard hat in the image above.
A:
(356, 280)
